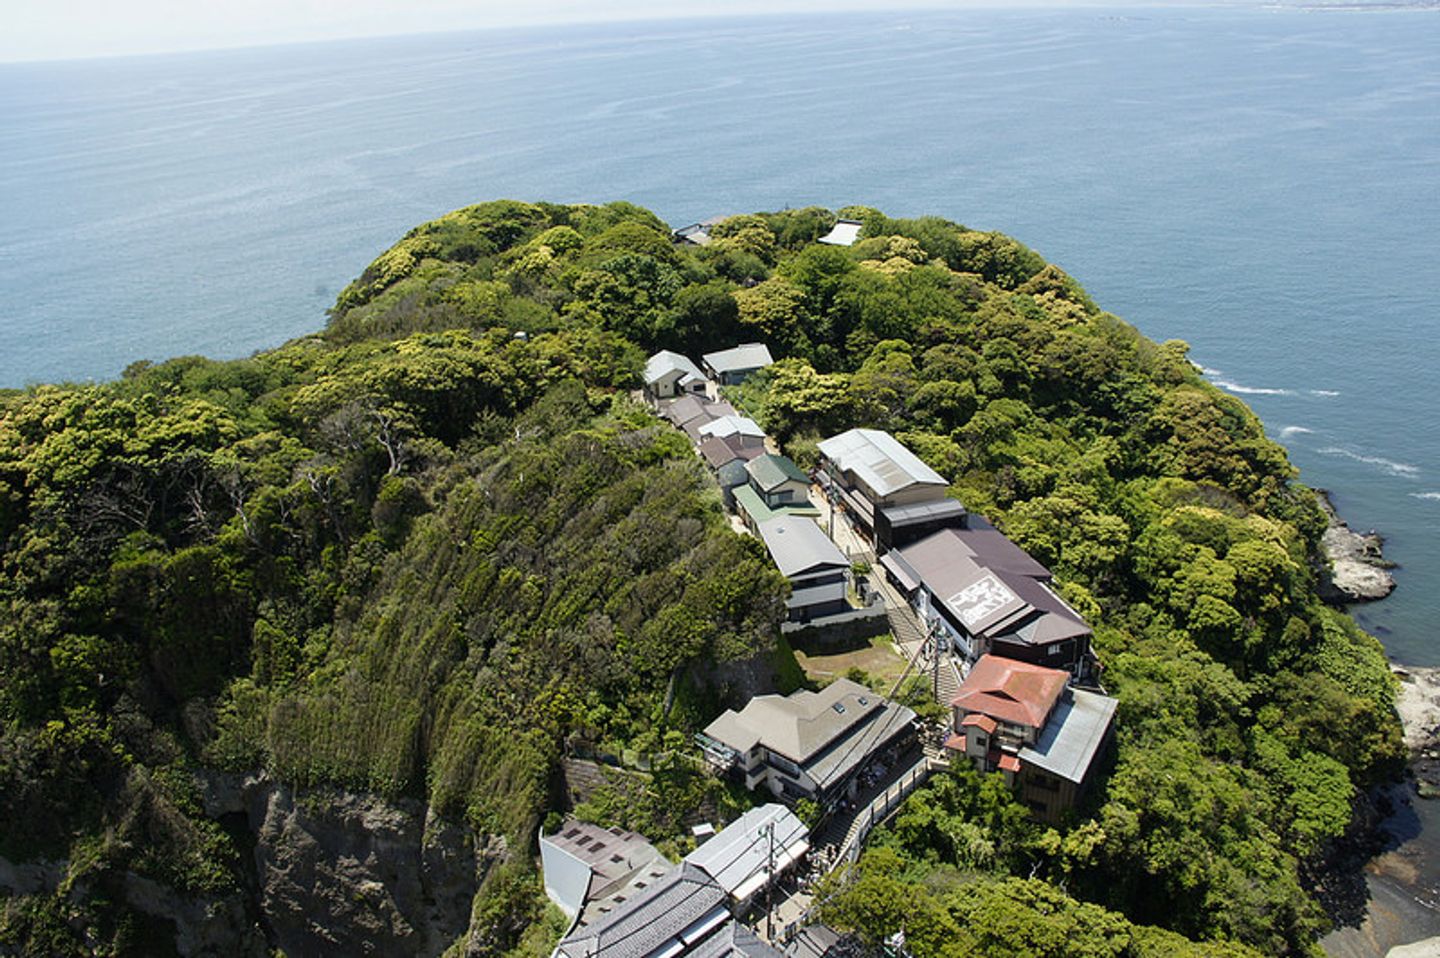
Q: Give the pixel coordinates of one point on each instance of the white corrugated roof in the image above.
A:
(731, 426)
(738, 856)
(665, 362)
(879, 460)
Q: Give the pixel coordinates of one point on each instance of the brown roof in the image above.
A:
(984, 722)
(1009, 763)
(1011, 691)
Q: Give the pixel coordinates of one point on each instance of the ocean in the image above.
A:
(1262, 183)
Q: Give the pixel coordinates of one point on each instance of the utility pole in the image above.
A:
(770, 883)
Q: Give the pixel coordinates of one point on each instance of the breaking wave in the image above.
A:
(1291, 431)
(1238, 389)
(1389, 465)
(1425, 495)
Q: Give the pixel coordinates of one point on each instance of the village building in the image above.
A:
(843, 233)
(1026, 722)
(984, 594)
(775, 487)
(717, 451)
(742, 429)
(687, 409)
(892, 496)
(587, 867)
(668, 375)
(697, 234)
(808, 744)
(729, 367)
(819, 573)
(673, 915)
(751, 852)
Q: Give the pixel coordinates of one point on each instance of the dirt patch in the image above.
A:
(877, 657)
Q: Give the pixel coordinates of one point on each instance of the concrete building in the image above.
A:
(819, 573)
(808, 744)
(586, 865)
(1027, 723)
(985, 595)
(882, 485)
(730, 366)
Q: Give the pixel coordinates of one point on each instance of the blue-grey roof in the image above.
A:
(1070, 740)
(739, 358)
(797, 545)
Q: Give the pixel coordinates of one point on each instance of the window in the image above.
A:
(839, 708)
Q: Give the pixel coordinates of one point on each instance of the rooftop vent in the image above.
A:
(839, 707)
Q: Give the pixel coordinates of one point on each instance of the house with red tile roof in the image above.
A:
(1025, 722)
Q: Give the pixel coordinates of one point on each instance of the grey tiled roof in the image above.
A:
(661, 912)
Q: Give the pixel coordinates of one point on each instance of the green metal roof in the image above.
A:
(771, 471)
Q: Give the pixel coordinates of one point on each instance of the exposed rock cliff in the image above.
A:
(1358, 571)
(346, 873)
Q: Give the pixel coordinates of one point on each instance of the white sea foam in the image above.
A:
(1389, 465)
(1208, 371)
(1238, 389)
(1289, 432)
(1425, 495)
(1324, 392)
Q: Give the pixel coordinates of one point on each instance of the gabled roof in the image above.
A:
(797, 545)
(1004, 600)
(731, 426)
(1010, 691)
(738, 857)
(687, 408)
(879, 460)
(739, 358)
(770, 472)
(679, 904)
(665, 362)
(843, 233)
(719, 450)
(1068, 745)
(800, 726)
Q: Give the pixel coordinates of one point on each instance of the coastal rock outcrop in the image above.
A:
(1358, 572)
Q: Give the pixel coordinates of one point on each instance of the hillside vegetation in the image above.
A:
(423, 551)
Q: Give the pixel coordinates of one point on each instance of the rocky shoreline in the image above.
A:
(1358, 570)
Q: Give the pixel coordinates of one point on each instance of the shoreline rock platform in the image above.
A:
(1358, 569)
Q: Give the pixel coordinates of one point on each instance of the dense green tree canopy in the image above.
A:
(423, 550)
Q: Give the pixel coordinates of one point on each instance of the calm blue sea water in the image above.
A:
(1263, 184)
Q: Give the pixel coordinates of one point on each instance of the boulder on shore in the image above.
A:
(1358, 570)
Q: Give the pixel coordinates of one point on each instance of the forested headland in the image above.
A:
(424, 552)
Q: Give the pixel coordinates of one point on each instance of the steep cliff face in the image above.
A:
(345, 873)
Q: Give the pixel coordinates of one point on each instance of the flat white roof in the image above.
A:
(843, 233)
